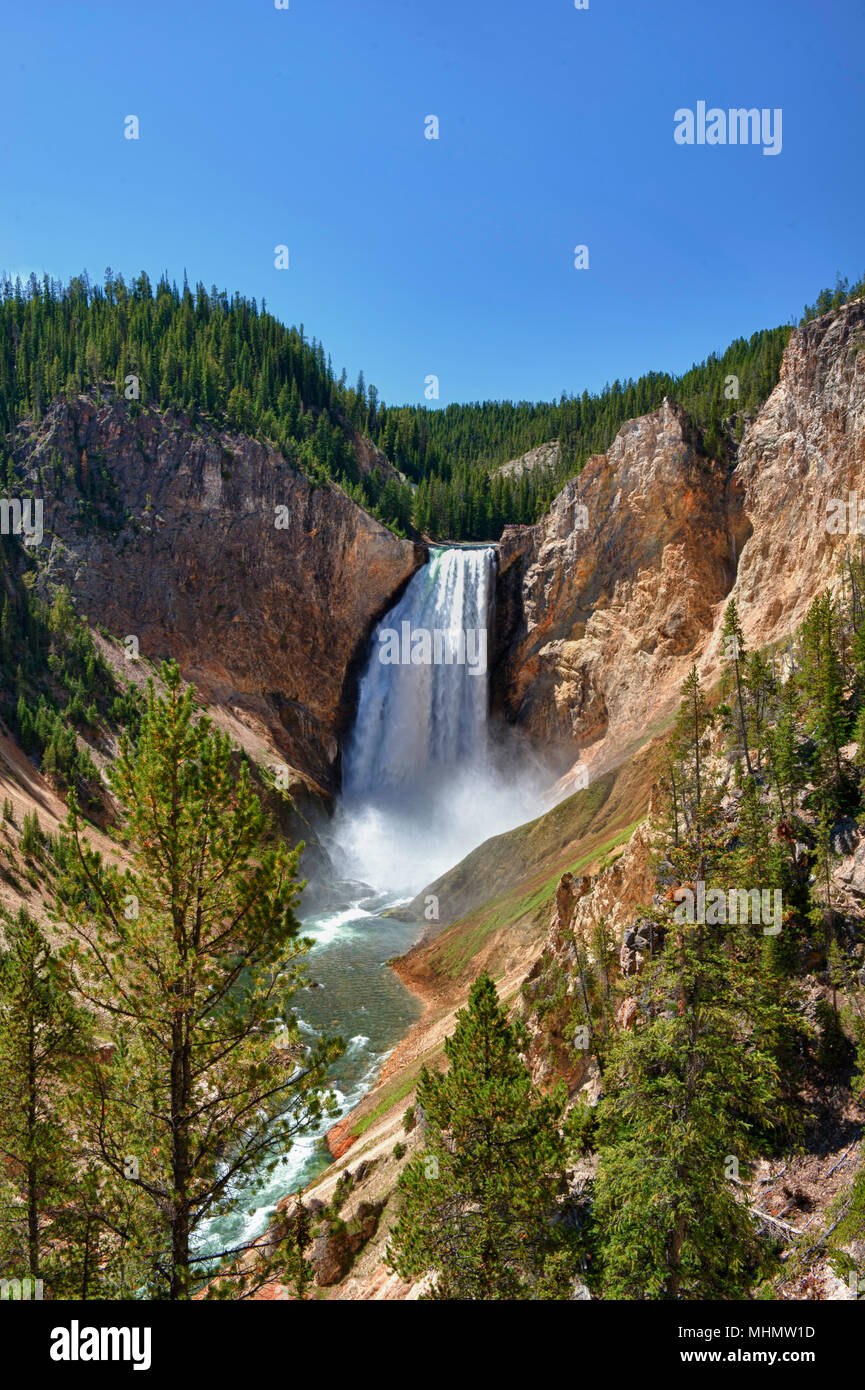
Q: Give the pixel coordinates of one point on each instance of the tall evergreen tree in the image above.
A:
(692, 1084)
(44, 1036)
(822, 682)
(734, 652)
(480, 1208)
(193, 954)
(686, 1089)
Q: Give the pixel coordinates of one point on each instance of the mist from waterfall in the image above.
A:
(424, 780)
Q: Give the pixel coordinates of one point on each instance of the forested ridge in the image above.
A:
(228, 361)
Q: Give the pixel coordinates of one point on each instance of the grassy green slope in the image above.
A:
(501, 894)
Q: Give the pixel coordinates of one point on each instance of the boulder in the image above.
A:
(639, 942)
(844, 836)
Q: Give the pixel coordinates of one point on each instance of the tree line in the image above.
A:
(227, 361)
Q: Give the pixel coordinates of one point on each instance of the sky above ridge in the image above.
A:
(454, 257)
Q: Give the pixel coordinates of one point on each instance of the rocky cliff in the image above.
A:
(209, 548)
(552, 992)
(604, 601)
(604, 604)
(805, 449)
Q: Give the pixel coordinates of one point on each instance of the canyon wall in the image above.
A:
(603, 602)
(606, 602)
(805, 448)
(209, 548)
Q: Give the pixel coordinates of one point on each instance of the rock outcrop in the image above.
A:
(805, 449)
(605, 603)
(173, 534)
(334, 1249)
(543, 456)
(552, 998)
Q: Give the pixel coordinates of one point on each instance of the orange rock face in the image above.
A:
(606, 602)
(339, 1138)
(211, 549)
(805, 449)
(609, 595)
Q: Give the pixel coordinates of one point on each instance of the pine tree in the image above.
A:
(695, 1087)
(783, 750)
(756, 861)
(696, 794)
(760, 688)
(734, 652)
(194, 955)
(822, 683)
(685, 1090)
(479, 1205)
(43, 1035)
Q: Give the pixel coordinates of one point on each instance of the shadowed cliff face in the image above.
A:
(605, 603)
(170, 534)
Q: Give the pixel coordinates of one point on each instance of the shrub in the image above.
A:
(32, 837)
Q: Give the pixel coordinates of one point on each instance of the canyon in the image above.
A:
(164, 529)
(596, 628)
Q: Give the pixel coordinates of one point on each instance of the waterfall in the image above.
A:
(421, 718)
(423, 780)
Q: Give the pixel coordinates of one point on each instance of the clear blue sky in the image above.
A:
(455, 257)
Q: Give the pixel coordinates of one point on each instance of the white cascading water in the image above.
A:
(422, 783)
(417, 718)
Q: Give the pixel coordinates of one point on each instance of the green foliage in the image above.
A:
(46, 1230)
(451, 452)
(821, 680)
(827, 299)
(688, 1090)
(710, 1070)
(697, 1087)
(833, 1045)
(733, 641)
(55, 683)
(195, 954)
(199, 354)
(851, 1207)
(32, 838)
(206, 356)
(479, 1205)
